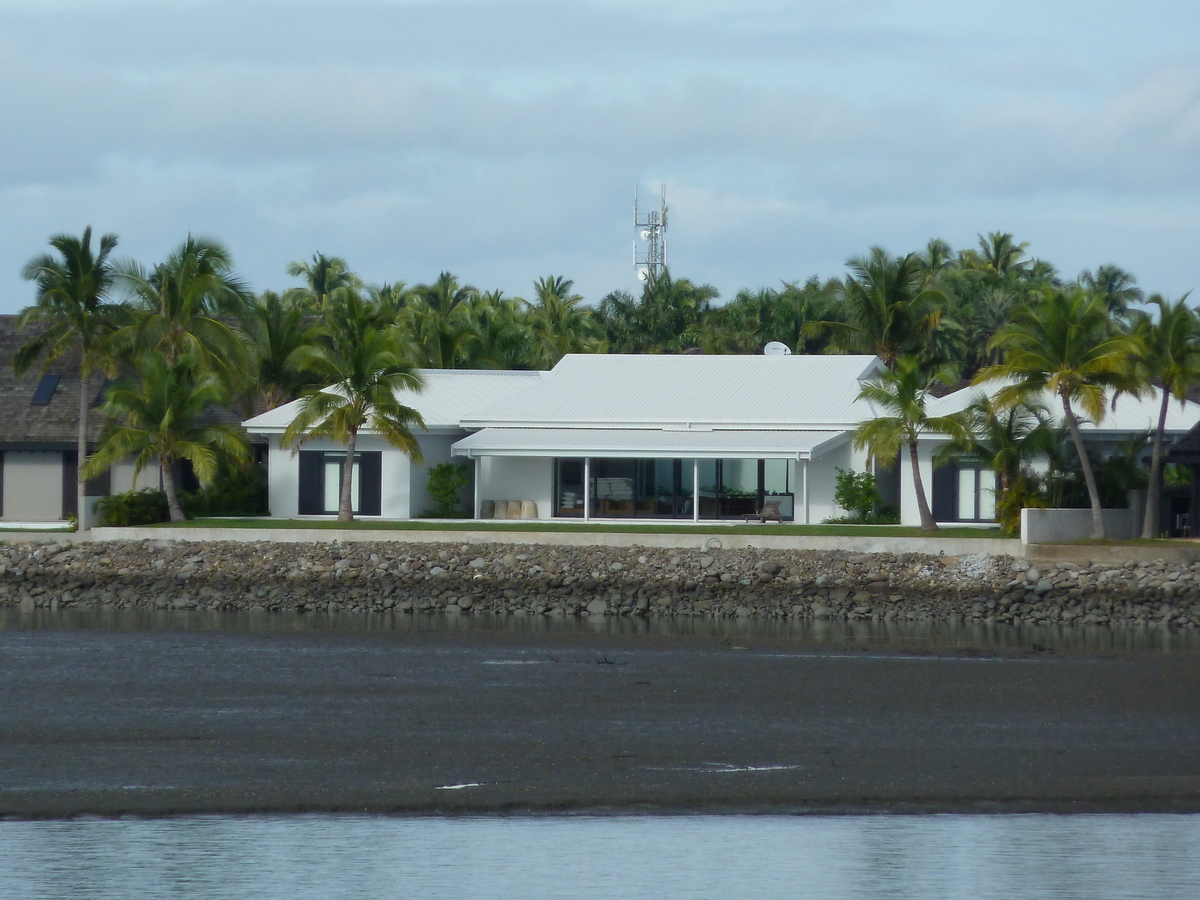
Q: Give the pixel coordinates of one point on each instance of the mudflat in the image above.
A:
(181, 721)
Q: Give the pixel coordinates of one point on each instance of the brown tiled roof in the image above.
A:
(21, 421)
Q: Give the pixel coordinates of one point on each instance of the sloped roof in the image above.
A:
(1131, 415)
(449, 395)
(54, 422)
(632, 391)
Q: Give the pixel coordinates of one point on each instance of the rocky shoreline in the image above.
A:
(473, 579)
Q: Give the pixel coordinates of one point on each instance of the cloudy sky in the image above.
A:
(502, 139)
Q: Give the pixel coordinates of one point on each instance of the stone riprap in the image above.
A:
(468, 579)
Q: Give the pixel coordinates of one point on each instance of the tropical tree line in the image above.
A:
(187, 336)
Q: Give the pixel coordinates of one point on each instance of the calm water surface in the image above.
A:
(1026, 856)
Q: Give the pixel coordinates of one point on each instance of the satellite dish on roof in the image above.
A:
(777, 348)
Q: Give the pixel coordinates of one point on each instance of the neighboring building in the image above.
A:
(965, 491)
(39, 414)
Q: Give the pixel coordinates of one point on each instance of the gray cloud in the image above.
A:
(501, 140)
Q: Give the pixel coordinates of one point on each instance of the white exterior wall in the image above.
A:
(822, 482)
(517, 478)
(283, 476)
(122, 480)
(436, 449)
(910, 513)
(33, 485)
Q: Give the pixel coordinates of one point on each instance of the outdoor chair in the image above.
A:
(770, 511)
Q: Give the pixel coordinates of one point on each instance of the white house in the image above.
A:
(386, 483)
(673, 437)
(607, 436)
(610, 436)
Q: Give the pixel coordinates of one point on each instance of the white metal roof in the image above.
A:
(1131, 415)
(632, 391)
(648, 443)
(449, 396)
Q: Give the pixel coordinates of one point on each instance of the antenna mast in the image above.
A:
(650, 252)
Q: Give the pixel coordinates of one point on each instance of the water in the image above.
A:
(932, 636)
(1095, 857)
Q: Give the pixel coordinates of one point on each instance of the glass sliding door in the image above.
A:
(663, 488)
(569, 488)
(613, 487)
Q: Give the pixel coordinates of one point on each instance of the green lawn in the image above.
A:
(595, 528)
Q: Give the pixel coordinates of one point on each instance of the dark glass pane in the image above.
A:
(739, 487)
(656, 487)
(45, 389)
(613, 487)
(710, 486)
(570, 488)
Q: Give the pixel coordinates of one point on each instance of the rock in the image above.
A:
(665, 602)
(616, 567)
(437, 571)
(508, 560)
(706, 561)
(589, 584)
(478, 563)
(597, 608)
(769, 568)
(820, 611)
(743, 612)
(1033, 575)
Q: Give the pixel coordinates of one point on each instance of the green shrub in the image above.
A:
(1024, 493)
(857, 493)
(145, 507)
(446, 481)
(238, 490)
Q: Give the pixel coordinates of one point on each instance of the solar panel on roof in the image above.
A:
(45, 390)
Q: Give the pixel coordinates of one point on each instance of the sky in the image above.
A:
(501, 140)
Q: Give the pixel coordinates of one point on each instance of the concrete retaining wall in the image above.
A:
(700, 540)
(1056, 526)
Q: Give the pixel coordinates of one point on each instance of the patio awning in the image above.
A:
(649, 443)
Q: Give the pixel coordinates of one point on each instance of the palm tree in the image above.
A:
(191, 305)
(323, 276)
(438, 324)
(998, 255)
(358, 360)
(902, 393)
(1114, 286)
(157, 415)
(72, 302)
(1170, 352)
(277, 329)
(1005, 439)
(1065, 344)
(558, 322)
(889, 308)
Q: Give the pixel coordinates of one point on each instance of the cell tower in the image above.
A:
(650, 252)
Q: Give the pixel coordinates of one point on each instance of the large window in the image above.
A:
(662, 488)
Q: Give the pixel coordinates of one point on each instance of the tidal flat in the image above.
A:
(177, 711)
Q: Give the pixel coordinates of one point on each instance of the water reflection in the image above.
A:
(903, 635)
(853, 857)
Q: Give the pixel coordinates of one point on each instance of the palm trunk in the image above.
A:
(1154, 489)
(81, 453)
(168, 480)
(1089, 476)
(927, 523)
(345, 507)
